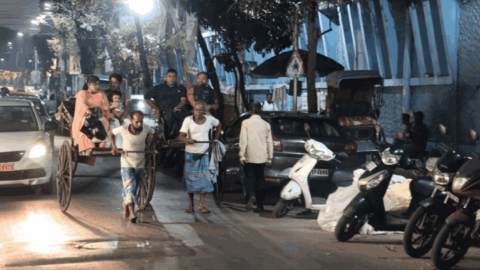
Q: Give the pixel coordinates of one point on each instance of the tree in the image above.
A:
(239, 30)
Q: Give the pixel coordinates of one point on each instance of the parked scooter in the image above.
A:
(461, 228)
(298, 185)
(427, 220)
(368, 205)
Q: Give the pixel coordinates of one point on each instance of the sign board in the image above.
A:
(74, 68)
(295, 67)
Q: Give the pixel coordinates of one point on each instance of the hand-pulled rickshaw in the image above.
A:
(69, 158)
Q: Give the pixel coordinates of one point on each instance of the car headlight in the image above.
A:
(442, 178)
(38, 150)
(458, 183)
(389, 158)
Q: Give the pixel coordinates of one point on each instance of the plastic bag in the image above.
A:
(240, 177)
(396, 198)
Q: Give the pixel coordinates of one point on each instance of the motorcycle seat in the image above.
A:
(421, 186)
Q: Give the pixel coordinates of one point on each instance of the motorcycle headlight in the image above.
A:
(317, 153)
(458, 183)
(373, 180)
(442, 178)
(389, 158)
(37, 151)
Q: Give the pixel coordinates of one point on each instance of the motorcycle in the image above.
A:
(298, 185)
(461, 228)
(427, 220)
(368, 205)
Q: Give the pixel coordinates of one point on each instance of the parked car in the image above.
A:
(39, 105)
(26, 154)
(289, 138)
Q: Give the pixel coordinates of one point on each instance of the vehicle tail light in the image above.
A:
(277, 144)
(350, 147)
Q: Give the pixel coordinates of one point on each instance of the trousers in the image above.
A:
(255, 182)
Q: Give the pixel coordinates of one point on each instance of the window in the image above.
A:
(296, 127)
(17, 119)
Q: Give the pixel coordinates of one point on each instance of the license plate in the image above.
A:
(319, 172)
(451, 196)
(7, 167)
(372, 165)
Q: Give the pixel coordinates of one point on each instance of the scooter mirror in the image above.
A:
(306, 126)
(474, 134)
(443, 129)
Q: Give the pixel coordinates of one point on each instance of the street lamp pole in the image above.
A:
(143, 58)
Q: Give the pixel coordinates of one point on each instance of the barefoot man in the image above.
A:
(133, 164)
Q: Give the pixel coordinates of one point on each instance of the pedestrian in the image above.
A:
(269, 105)
(115, 83)
(168, 97)
(406, 126)
(196, 174)
(132, 164)
(256, 151)
(419, 134)
(203, 92)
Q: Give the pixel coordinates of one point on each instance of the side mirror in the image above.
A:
(341, 155)
(306, 126)
(443, 129)
(474, 134)
(51, 126)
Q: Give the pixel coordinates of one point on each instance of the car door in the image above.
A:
(231, 141)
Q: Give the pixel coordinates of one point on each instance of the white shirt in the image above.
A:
(133, 143)
(256, 144)
(198, 133)
(269, 106)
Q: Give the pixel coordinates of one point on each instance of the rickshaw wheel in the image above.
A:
(147, 184)
(219, 186)
(64, 176)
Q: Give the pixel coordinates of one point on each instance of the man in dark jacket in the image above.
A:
(203, 92)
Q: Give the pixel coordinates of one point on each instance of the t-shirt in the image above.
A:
(166, 97)
(198, 133)
(269, 107)
(133, 143)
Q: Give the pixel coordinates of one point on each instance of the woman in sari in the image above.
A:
(89, 97)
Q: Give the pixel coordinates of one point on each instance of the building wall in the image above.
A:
(437, 102)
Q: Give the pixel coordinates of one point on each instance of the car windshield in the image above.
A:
(17, 119)
(38, 104)
(295, 127)
(141, 105)
(353, 109)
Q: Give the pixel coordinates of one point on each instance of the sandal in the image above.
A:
(204, 210)
(189, 210)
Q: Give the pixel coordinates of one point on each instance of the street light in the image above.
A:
(141, 7)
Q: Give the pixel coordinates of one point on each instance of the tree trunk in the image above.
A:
(312, 61)
(212, 73)
(147, 79)
(239, 76)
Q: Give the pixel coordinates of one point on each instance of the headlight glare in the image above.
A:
(372, 181)
(37, 151)
(458, 183)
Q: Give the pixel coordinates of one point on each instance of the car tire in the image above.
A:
(47, 188)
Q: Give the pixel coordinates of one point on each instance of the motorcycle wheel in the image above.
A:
(347, 227)
(281, 208)
(454, 240)
(420, 232)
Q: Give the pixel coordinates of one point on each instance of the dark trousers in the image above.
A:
(255, 182)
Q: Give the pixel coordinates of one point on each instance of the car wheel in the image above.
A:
(47, 188)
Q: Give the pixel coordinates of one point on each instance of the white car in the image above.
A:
(26, 153)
